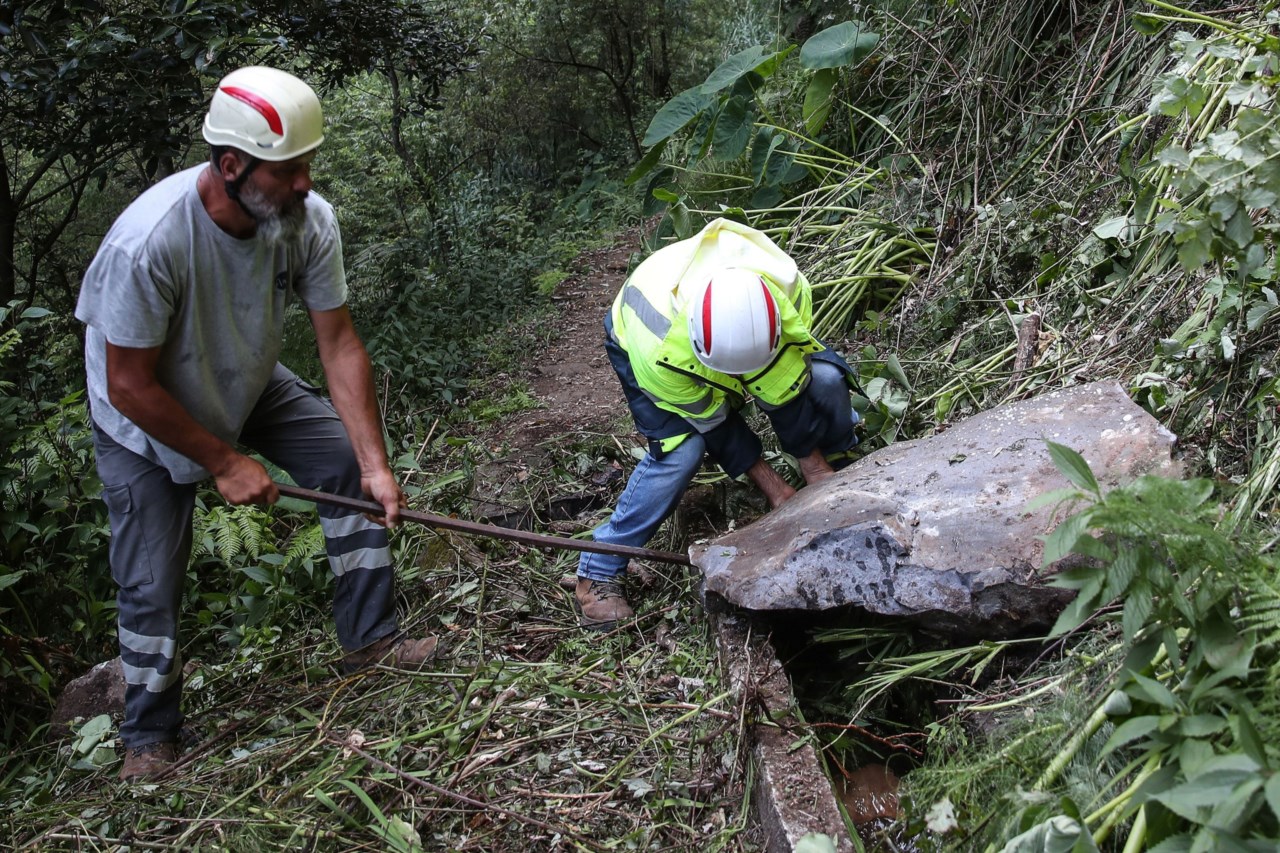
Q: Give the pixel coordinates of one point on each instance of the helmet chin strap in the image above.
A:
(233, 187)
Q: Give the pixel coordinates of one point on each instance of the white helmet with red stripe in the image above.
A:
(734, 322)
(265, 112)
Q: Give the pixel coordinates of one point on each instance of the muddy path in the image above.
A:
(576, 403)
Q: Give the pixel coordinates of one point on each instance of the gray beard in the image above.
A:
(275, 227)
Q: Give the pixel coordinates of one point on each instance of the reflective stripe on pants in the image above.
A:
(295, 428)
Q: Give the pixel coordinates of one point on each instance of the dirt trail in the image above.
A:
(577, 393)
(572, 378)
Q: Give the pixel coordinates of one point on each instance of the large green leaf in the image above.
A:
(11, 578)
(681, 221)
(1150, 690)
(1123, 569)
(259, 574)
(1112, 228)
(795, 171)
(1175, 93)
(733, 68)
(646, 164)
(733, 130)
(1130, 730)
(1239, 228)
(894, 369)
(1258, 314)
(701, 134)
(1272, 791)
(817, 100)
(765, 198)
(1138, 606)
(675, 114)
(762, 149)
(838, 46)
(1201, 725)
(1061, 542)
(652, 203)
(779, 168)
(92, 733)
(1223, 645)
(770, 65)
(1249, 739)
(1075, 613)
(1058, 834)
(1236, 811)
(1205, 791)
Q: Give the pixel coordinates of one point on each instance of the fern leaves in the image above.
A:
(232, 534)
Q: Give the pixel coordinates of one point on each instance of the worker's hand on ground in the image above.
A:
(383, 488)
(814, 467)
(245, 481)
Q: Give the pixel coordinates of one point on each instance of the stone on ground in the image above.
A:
(938, 529)
(98, 691)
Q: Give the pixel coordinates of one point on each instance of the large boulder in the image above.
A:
(938, 529)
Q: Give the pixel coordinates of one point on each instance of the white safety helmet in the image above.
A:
(265, 112)
(734, 322)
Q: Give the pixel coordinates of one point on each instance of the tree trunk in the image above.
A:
(8, 234)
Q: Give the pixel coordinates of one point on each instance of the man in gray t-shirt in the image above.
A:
(184, 304)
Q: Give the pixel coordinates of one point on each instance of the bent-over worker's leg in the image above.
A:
(821, 419)
(651, 495)
(658, 481)
(150, 548)
(297, 429)
(830, 393)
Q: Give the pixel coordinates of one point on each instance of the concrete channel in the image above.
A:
(792, 796)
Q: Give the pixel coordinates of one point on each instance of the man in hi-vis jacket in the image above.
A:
(700, 326)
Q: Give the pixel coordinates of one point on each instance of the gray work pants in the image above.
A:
(298, 430)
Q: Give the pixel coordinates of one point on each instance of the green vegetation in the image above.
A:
(1159, 722)
(942, 171)
(945, 172)
(519, 736)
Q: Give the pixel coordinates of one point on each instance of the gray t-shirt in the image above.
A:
(167, 276)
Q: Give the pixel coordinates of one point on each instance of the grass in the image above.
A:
(526, 734)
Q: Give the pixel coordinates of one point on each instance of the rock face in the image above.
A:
(937, 529)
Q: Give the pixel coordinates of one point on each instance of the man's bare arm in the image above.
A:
(135, 392)
(350, 377)
(769, 481)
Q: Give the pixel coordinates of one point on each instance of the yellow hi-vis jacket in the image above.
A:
(651, 323)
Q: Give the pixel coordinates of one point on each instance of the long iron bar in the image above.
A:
(490, 530)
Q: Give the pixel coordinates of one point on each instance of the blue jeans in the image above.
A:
(652, 492)
(819, 418)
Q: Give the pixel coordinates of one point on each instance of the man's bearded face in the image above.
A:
(280, 222)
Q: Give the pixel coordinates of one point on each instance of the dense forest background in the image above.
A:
(948, 173)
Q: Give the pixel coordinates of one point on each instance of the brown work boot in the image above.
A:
(149, 762)
(391, 650)
(601, 604)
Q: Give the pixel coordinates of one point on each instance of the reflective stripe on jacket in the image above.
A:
(650, 322)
